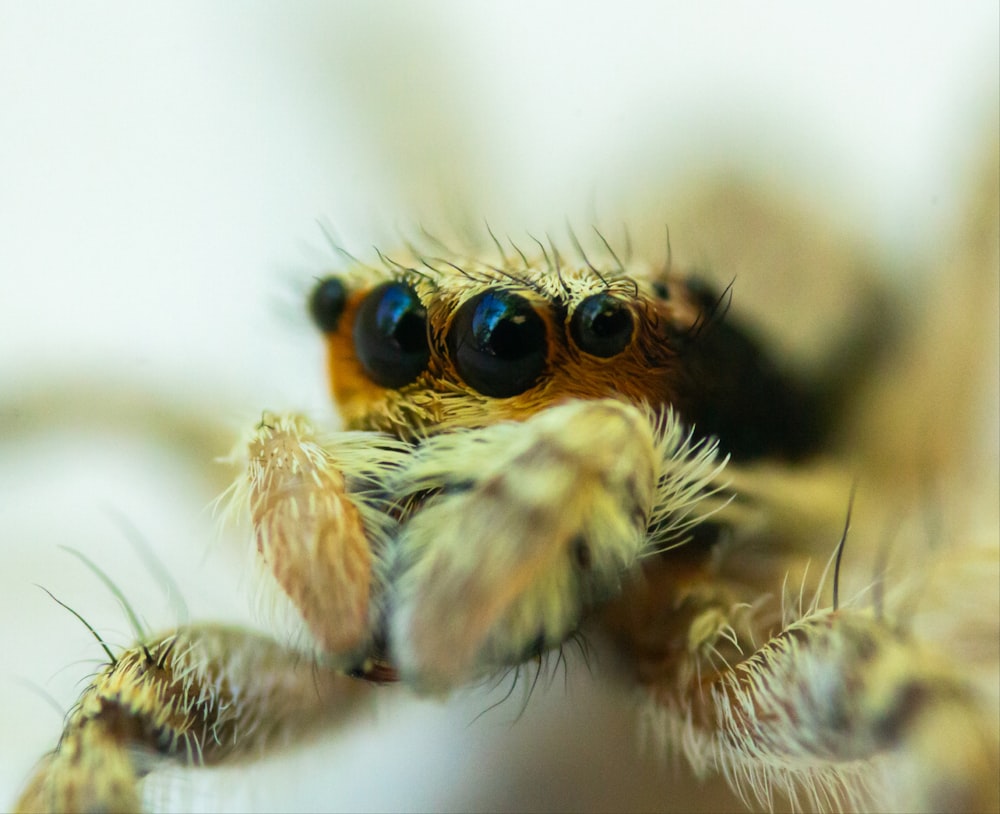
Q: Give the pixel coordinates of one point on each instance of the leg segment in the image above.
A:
(322, 522)
(837, 709)
(195, 696)
(841, 686)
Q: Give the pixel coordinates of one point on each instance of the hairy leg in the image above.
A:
(195, 696)
(835, 708)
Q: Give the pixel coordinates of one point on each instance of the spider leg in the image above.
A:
(841, 686)
(829, 708)
(194, 696)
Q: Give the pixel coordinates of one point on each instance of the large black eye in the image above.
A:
(390, 335)
(326, 303)
(497, 343)
(601, 326)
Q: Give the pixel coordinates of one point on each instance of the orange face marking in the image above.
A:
(352, 389)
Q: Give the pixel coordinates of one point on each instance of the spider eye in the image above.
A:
(601, 326)
(326, 304)
(498, 343)
(390, 335)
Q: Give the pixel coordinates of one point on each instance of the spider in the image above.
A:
(541, 446)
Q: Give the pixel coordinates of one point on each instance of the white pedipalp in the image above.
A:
(568, 524)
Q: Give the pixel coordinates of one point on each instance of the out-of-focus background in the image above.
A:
(162, 170)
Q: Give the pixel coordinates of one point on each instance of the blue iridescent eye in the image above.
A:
(390, 335)
(498, 344)
(602, 326)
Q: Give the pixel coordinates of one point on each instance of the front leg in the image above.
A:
(836, 710)
(813, 710)
(528, 526)
(322, 520)
(194, 696)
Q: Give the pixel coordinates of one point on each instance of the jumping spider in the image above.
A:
(538, 447)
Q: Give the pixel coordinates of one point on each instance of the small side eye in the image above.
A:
(390, 335)
(326, 304)
(601, 325)
(498, 343)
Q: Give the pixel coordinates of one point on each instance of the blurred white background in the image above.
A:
(162, 168)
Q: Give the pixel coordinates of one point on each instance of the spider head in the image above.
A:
(416, 348)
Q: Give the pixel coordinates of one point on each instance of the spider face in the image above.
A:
(434, 345)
